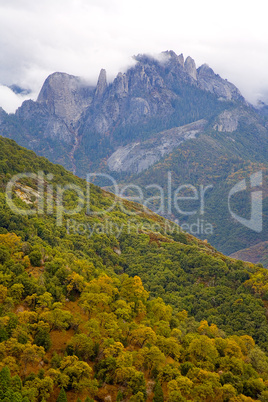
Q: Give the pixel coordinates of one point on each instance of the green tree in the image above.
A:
(16, 383)
(139, 397)
(31, 354)
(35, 258)
(4, 254)
(5, 379)
(42, 338)
(120, 396)
(203, 349)
(158, 393)
(62, 396)
(82, 346)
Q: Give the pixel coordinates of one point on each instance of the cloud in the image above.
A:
(10, 101)
(80, 37)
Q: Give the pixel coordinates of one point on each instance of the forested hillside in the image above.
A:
(163, 115)
(121, 306)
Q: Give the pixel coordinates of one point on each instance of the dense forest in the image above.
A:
(144, 313)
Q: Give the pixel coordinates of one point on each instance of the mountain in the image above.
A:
(258, 254)
(163, 117)
(78, 323)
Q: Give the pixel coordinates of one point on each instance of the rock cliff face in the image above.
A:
(58, 108)
(190, 67)
(65, 97)
(138, 156)
(144, 91)
(101, 85)
(162, 115)
(149, 90)
(2, 115)
(209, 81)
(72, 119)
(228, 121)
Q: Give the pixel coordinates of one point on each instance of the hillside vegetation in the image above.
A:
(133, 129)
(144, 313)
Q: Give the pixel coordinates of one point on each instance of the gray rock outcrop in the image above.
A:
(65, 96)
(72, 119)
(101, 85)
(228, 121)
(138, 156)
(211, 82)
(190, 67)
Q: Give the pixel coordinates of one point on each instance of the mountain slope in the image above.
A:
(151, 96)
(209, 167)
(161, 116)
(72, 319)
(258, 254)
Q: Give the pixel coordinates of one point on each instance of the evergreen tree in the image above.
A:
(42, 338)
(16, 383)
(120, 396)
(3, 334)
(62, 396)
(158, 393)
(5, 379)
(17, 397)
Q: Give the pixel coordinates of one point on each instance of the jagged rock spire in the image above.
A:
(181, 60)
(190, 67)
(101, 85)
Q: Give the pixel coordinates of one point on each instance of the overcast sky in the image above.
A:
(38, 37)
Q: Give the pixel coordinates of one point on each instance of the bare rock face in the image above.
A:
(101, 85)
(58, 109)
(132, 97)
(67, 107)
(138, 156)
(211, 82)
(190, 67)
(181, 60)
(71, 118)
(121, 85)
(3, 114)
(139, 108)
(228, 120)
(65, 96)
(37, 115)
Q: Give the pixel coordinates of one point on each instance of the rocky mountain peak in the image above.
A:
(169, 54)
(65, 96)
(172, 58)
(181, 60)
(190, 67)
(101, 85)
(121, 84)
(147, 95)
(211, 82)
(205, 70)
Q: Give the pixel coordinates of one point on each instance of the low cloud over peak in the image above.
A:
(81, 37)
